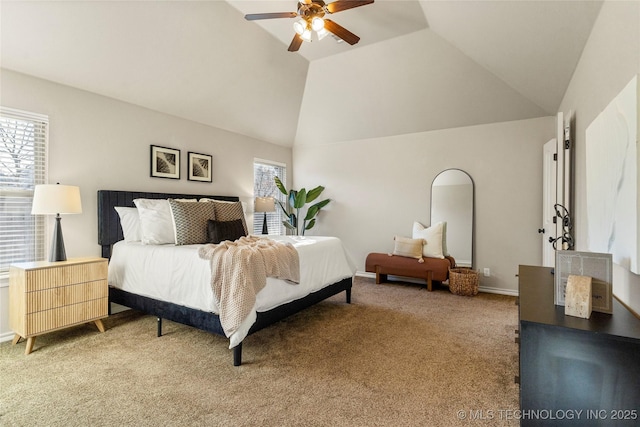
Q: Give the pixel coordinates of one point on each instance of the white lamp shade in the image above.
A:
(299, 26)
(56, 199)
(322, 34)
(306, 35)
(317, 24)
(265, 204)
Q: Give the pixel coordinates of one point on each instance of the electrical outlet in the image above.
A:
(487, 272)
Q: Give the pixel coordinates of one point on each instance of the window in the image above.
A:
(264, 185)
(23, 142)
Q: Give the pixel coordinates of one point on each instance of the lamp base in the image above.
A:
(265, 230)
(57, 243)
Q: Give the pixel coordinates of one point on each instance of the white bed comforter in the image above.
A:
(177, 274)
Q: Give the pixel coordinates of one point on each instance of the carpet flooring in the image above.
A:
(397, 356)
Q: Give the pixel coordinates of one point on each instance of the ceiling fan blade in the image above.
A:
(341, 32)
(340, 5)
(295, 43)
(256, 16)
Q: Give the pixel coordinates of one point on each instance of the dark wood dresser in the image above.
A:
(575, 371)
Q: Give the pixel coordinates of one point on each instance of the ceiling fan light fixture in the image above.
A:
(306, 35)
(311, 14)
(322, 34)
(317, 24)
(300, 26)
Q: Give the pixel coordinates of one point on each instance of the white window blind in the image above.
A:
(23, 154)
(264, 173)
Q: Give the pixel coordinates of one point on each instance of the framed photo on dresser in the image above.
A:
(598, 266)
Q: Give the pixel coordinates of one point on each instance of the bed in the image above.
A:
(181, 310)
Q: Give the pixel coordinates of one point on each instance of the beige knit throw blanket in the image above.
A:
(239, 270)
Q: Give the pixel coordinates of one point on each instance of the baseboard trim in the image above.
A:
(486, 289)
(7, 336)
(499, 291)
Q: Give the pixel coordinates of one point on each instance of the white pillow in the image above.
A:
(445, 251)
(433, 239)
(130, 223)
(156, 221)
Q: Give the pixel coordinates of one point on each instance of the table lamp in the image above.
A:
(49, 199)
(265, 204)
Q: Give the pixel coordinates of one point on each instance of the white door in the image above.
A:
(549, 190)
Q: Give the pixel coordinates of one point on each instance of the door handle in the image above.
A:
(541, 230)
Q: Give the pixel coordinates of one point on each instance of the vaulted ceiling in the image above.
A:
(419, 66)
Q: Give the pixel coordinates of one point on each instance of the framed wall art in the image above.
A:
(165, 162)
(199, 166)
(612, 180)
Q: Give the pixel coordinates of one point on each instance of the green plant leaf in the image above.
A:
(311, 212)
(293, 220)
(280, 186)
(310, 225)
(287, 225)
(314, 193)
(321, 204)
(300, 199)
(282, 207)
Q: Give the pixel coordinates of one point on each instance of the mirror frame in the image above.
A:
(473, 209)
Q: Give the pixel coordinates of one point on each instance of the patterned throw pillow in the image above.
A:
(190, 221)
(229, 211)
(219, 231)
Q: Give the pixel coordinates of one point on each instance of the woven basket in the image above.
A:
(463, 281)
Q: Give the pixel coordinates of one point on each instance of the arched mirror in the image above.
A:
(452, 201)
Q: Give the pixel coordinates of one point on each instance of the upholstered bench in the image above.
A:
(431, 269)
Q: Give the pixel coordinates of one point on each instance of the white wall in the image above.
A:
(380, 186)
(100, 143)
(609, 61)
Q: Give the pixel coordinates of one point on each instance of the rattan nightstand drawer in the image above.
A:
(66, 295)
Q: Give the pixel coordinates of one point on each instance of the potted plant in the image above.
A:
(296, 200)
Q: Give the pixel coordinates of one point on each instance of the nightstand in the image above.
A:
(46, 296)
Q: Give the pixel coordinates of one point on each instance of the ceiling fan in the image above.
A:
(312, 14)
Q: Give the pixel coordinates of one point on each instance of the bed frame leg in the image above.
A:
(348, 291)
(159, 327)
(237, 355)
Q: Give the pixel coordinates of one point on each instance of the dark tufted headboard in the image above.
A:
(109, 230)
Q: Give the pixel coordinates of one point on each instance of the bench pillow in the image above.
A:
(433, 239)
(411, 248)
